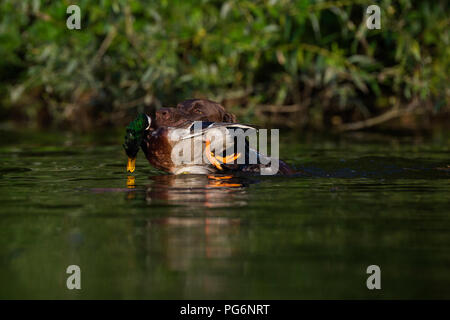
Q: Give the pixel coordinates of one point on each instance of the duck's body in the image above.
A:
(158, 148)
(163, 146)
(199, 148)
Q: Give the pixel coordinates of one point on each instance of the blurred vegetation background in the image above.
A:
(301, 64)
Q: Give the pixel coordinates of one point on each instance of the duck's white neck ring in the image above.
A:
(149, 122)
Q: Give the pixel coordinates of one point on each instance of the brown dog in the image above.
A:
(204, 110)
(193, 110)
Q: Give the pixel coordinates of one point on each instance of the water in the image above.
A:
(66, 200)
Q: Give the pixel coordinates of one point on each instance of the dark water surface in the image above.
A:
(363, 200)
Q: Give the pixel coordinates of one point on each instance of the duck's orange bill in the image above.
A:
(131, 165)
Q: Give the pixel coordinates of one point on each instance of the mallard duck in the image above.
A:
(194, 147)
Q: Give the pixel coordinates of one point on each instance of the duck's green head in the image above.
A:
(134, 137)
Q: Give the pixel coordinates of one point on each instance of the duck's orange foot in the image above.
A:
(211, 157)
(229, 158)
(215, 159)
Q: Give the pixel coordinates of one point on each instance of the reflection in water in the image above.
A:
(219, 237)
(189, 233)
(188, 241)
(131, 182)
(212, 191)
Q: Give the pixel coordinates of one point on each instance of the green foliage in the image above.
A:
(133, 55)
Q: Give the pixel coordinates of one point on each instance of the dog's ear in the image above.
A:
(229, 117)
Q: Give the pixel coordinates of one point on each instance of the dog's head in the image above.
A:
(193, 110)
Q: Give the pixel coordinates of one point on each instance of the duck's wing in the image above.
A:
(201, 127)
